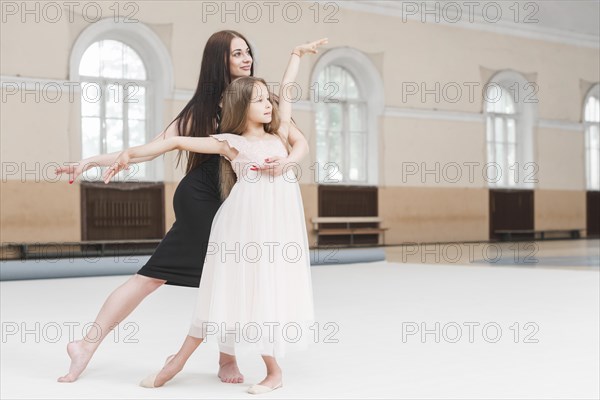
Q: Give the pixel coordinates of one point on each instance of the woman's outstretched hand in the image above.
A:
(310, 47)
(121, 163)
(74, 170)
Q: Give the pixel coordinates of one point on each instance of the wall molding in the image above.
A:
(560, 125)
(29, 83)
(439, 115)
(462, 116)
(182, 95)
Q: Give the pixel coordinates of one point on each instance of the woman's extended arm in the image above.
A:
(104, 160)
(203, 145)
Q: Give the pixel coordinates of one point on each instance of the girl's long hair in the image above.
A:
(236, 101)
(199, 117)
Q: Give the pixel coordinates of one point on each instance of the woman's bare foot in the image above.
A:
(80, 357)
(230, 373)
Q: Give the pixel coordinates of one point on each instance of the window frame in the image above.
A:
(370, 86)
(159, 75)
(525, 114)
(345, 163)
(593, 92)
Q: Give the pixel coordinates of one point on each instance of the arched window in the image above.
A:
(125, 75)
(510, 108)
(114, 90)
(347, 95)
(341, 123)
(501, 133)
(591, 121)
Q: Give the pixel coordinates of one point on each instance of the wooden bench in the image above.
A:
(350, 229)
(509, 234)
(25, 252)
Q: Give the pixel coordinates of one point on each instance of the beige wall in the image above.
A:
(452, 147)
(404, 51)
(434, 214)
(43, 134)
(559, 209)
(49, 212)
(39, 212)
(561, 160)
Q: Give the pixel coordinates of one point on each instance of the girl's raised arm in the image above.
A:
(286, 88)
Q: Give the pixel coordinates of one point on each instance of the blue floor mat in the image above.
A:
(565, 261)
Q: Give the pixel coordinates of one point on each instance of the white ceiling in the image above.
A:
(580, 16)
(569, 21)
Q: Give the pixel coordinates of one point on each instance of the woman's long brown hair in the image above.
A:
(199, 117)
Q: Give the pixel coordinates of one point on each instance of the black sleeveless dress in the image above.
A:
(179, 257)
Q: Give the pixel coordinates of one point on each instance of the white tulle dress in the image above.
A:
(256, 292)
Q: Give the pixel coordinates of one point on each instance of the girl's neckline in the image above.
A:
(258, 140)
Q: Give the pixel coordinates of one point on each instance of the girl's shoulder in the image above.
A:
(234, 140)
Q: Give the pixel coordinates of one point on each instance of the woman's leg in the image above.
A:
(274, 373)
(175, 364)
(228, 369)
(121, 302)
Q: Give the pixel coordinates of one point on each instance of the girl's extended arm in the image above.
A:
(286, 88)
(275, 165)
(204, 145)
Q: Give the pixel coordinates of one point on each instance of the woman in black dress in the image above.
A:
(179, 258)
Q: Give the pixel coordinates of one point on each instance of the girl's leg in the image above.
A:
(116, 308)
(175, 363)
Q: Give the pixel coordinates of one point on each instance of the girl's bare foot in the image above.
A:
(272, 380)
(230, 373)
(270, 383)
(172, 367)
(80, 357)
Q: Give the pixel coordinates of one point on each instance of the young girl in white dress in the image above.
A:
(255, 291)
